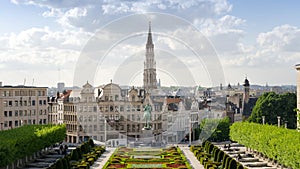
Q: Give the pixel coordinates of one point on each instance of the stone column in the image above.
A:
(298, 93)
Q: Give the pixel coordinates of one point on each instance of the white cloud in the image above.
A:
(282, 38)
(37, 46)
(91, 14)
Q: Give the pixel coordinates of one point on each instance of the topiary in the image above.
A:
(74, 155)
(232, 163)
(65, 163)
(91, 143)
(59, 164)
(220, 156)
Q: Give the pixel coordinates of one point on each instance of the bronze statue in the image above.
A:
(147, 116)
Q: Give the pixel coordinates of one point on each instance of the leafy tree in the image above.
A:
(272, 105)
(215, 129)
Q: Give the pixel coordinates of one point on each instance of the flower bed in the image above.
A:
(148, 158)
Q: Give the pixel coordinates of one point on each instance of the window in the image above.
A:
(5, 124)
(16, 103)
(90, 128)
(106, 98)
(20, 113)
(95, 127)
(121, 108)
(90, 108)
(116, 97)
(44, 121)
(10, 124)
(44, 102)
(138, 108)
(16, 123)
(5, 113)
(128, 108)
(133, 98)
(16, 113)
(128, 117)
(10, 113)
(95, 108)
(40, 102)
(9, 103)
(33, 103)
(133, 117)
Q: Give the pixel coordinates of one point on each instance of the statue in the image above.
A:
(147, 116)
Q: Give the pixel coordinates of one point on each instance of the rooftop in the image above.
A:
(20, 86)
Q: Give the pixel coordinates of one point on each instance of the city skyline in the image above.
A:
(43, 40)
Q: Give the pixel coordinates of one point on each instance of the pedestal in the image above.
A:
(147, 136)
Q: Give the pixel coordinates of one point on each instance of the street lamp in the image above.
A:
(263, 119)
(190, 133)
(285, 123)
(278, 121)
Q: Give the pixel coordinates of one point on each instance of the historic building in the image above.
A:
(22, 105)
(239, 104)
(149, 75)
(298, 91)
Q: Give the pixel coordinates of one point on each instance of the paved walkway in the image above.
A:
(103, 159)
(191, 158)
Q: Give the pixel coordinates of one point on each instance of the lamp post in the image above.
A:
(278, 121)
(105, 132)
(190, 133)
(263, 119)
(285, 124)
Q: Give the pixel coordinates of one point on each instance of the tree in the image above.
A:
(272, 105)
(215, 129)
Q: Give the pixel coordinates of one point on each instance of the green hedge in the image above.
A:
(212, 157)
(280, 144)
(19, 142)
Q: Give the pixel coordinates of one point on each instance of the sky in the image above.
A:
(197, 42)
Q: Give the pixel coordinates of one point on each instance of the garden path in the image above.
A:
(100, 162)
(191, 157)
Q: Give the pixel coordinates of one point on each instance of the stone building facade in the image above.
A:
(22, 105)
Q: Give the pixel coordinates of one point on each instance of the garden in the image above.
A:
(162, 158)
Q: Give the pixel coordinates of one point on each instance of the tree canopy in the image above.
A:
(272, 105)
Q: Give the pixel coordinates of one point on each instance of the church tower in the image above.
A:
(150, 81)
(246, 90)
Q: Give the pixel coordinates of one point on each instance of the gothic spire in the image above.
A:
(149, 41)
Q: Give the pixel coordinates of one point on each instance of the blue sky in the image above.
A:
(42, 40)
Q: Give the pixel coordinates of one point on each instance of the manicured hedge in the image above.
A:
(280, 144)
(83, 156)
(212, 157)
(19, 142)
